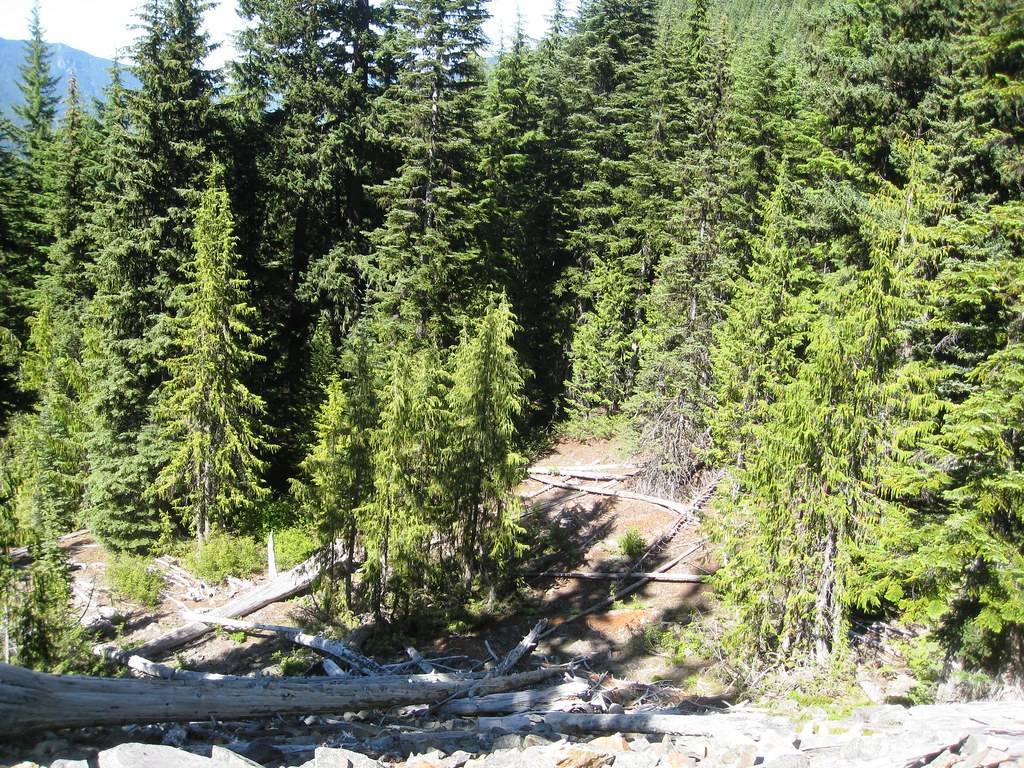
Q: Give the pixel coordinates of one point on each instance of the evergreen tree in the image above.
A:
(811, 490)
(156, 144)
(207, 413)
(485, 402)
(615, 40)
(422, 266)
(336, 478)
(410, 525)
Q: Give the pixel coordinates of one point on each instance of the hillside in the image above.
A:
(93, 73)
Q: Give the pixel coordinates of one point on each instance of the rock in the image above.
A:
(788, 761)
(898, 691)
(336, 757)
(50, 746)
(176, 736)
(636, 760)
(229, 759)
(536, 740)
(580, 756)
(26, 764)
(457, 759)
(433, 759)
(615, 709)
(882, 715)
(674, 758)
(613, 744)
(944, 760)
(508, 741)
(735, 755)
(63, 763)
(133, 755)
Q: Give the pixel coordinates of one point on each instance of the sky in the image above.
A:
(102, 27)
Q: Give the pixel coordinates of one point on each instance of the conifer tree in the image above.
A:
(207, 413)
(411, 524)
(811, 490)
(336, 478)
(155, 150)
(485, 402)
(615, 40)
(36, 113)
(423, 256)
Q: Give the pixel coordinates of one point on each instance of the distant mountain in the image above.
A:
(93, 73)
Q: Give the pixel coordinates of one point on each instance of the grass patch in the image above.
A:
(135, 578)
(632, 544)
(223, 555)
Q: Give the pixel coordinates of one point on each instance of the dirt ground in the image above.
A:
(570, 532)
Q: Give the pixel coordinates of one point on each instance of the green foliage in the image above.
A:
(135, 578)
(632, 544)
(293, 545)
(222, 555)
(207, 413)
(925, 658)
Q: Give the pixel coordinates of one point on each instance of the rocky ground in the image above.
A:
(973, 735)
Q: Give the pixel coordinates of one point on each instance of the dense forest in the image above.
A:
(343, 285)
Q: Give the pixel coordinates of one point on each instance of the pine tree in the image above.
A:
(410, 525)
(305, 154)
(693, 278)
(486, 401)
(812, 487)
(336, 478)
(421, 269)
(36, 113)
(615, 39)
(155, 151)
(207, 413)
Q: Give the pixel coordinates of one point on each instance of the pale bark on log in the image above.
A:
(332, 669)
(337, 649)
(674, 578)
(288, 584)
(161, 671)
(684, 510)
(33, 701)
(21, 553)
(717, 726)
(609, 472)
(417, 658)
(523, 648)
(517, 701)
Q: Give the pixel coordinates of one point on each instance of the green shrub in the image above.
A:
(925, 658)
(293, 545)
(223, 555)
(135, 578)
(632, 545)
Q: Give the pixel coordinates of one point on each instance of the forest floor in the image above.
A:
(568, 532)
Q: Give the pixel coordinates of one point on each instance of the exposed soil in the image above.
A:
(569, 532)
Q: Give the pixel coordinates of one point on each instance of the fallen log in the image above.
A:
(21, 553)
(286, 585)
(34, 701)
(153, 669)
(719, 726)
(677, 578)
(523, 648)
(684, 510)
(334, 648)
(516, 701)
(596, 472)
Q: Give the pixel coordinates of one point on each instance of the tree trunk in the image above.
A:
(36, 701)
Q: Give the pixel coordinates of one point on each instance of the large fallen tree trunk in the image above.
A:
(33, 701)
(720, 726)
(597, 472)
(677, 578)
(683, 510)
(516, 701)
(286, 585)
(339, 650)
(20, 554)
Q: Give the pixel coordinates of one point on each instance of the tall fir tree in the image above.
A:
(423, 265)
(156, 145)
(208, 415)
